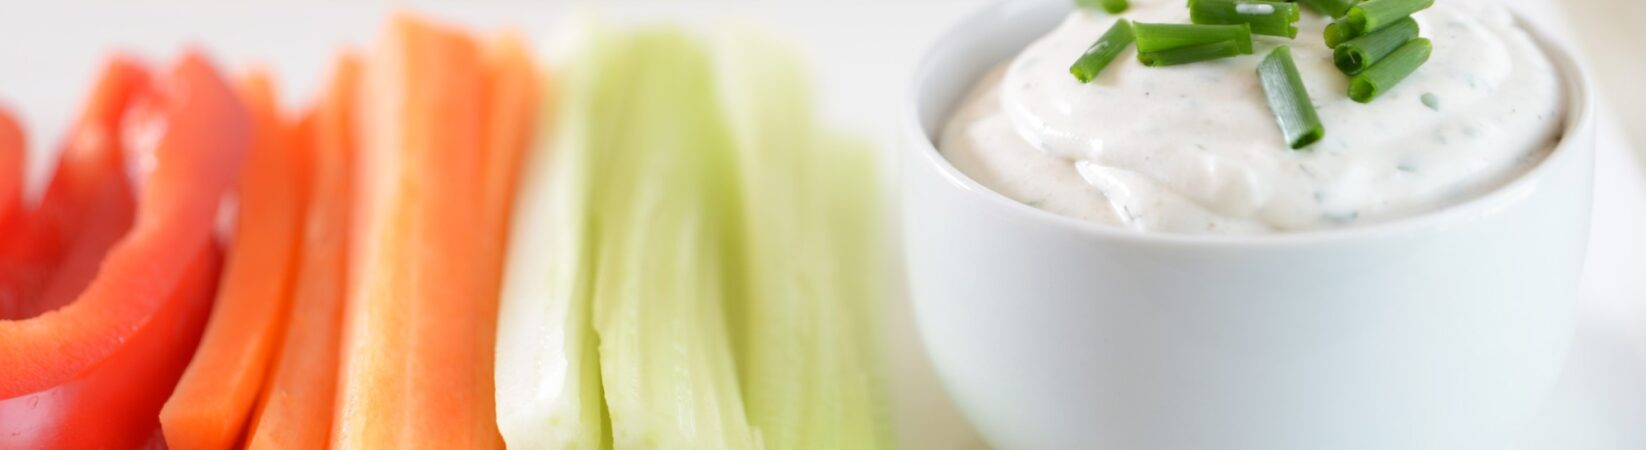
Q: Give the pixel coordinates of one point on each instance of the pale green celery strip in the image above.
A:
(547, 372)
(775, 334)
(661, 252)
(727, 247)
(805, 330)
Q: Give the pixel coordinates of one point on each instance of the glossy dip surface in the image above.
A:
(1195, 149)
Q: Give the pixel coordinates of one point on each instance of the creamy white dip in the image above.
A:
(1195, 149)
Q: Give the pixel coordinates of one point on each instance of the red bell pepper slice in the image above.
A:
(86, 206)
(115, 404)
(11, 172)
(94, 373)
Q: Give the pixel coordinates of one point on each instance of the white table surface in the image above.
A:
(863, 51)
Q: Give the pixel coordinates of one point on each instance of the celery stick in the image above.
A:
(804, 327)
(666, 196)
(695, 262)
(549, 393)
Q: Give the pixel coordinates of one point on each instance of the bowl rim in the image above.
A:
(1579, 121)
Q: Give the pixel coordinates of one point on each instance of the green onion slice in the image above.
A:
(1338, 32)
(1111, 6)
(1157, 37)
(1373, 15)
(1331, 8)
(1102, 52)
(1289, 100)
(1359, 53)
(1379, 78)
(1271, 18)
(1190, 54)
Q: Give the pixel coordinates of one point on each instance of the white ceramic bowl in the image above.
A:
(1442, 331)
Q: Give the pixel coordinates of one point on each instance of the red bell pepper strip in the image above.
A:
(110, 212)
(87, 200)
(114, 404)
(94, 373)
(12, 154)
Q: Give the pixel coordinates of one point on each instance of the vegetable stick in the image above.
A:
(666, 240)
(514, 97)
(114, 404)
(210, 406)
(13, 155)
(81, 207)
(419, 326)
(96, 373)
(295, 411)
(105, 363)
(108, 217)
(511, 119)
(548, 372)
(804, 328)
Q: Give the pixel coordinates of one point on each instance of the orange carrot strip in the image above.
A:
(296, 409)
(210, 407)
(511, 118)
(419, 328)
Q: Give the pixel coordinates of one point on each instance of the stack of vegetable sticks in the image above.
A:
(357, 309)
(691, 261)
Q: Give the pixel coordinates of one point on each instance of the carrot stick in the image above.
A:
(419, 326)
(511, 118)
(295, 411)
(512, 94)
(212, 402)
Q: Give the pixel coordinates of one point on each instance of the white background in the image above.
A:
(863, 52)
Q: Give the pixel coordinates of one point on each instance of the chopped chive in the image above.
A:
(1373, 15)
(1111, 6)
(1156, 37)
(1359, 53)
(1289, 100)
(1341, 31)
(1379, 78)
(1190, 54)
(1331, 8)
(1338, 32)
(1266, 17)
(1102, 52)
